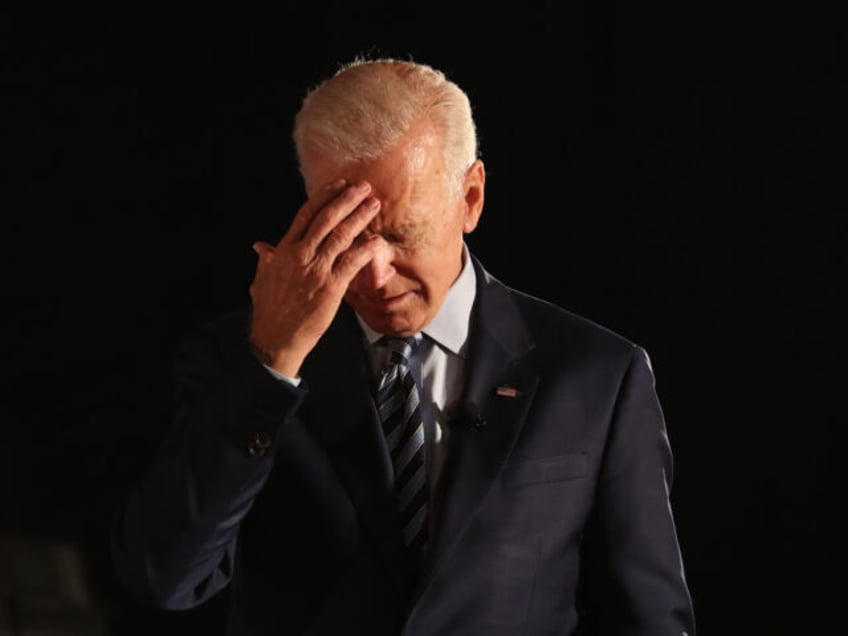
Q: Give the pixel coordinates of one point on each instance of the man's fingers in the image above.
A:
(357, 257)
(343, 235)
(265, 251)
(349, 202)
(309, 210)
(262, 248)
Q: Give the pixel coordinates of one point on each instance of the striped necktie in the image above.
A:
(399, 407)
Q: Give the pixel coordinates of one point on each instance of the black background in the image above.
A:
(669, 170)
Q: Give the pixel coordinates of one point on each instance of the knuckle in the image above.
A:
(337, 238)
(301, 254)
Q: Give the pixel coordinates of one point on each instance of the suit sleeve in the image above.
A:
(635, 568)
(174, 540)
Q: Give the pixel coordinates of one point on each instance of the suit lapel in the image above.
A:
(339, 409)
(500, 387)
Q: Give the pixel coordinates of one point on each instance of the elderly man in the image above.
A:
(391, 441)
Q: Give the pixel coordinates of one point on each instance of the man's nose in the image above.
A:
(377, 273)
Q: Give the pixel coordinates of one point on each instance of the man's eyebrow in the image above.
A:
(405, 231)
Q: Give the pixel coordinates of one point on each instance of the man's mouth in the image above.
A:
(387, 303)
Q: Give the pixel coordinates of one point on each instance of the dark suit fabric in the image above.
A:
(552, 516)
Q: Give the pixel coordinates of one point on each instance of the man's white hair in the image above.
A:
(368, 106)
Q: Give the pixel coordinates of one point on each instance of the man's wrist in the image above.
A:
(280, 363)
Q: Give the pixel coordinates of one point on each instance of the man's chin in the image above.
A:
(398, 323)
(392, 324)
(395, 316)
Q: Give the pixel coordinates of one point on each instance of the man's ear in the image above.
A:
(473, 190)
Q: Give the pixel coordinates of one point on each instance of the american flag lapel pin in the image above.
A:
(507, 391)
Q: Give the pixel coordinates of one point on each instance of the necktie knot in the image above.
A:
(400, 349)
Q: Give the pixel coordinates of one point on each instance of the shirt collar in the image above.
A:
(450, 325)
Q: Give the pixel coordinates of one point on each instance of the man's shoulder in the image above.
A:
(549, 322)
(219, 335)
(225, 323)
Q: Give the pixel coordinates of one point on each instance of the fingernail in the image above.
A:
(337, 184)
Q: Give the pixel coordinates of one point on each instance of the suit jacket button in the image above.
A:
(260, 444)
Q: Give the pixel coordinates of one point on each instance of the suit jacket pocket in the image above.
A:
(533, 471)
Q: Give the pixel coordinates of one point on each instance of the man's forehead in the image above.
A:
(409, 214)
(418, 151)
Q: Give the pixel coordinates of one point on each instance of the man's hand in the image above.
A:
(300, 282)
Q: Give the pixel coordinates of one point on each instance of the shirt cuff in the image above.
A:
(280, 376)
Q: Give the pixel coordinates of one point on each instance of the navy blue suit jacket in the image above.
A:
(553, 515)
